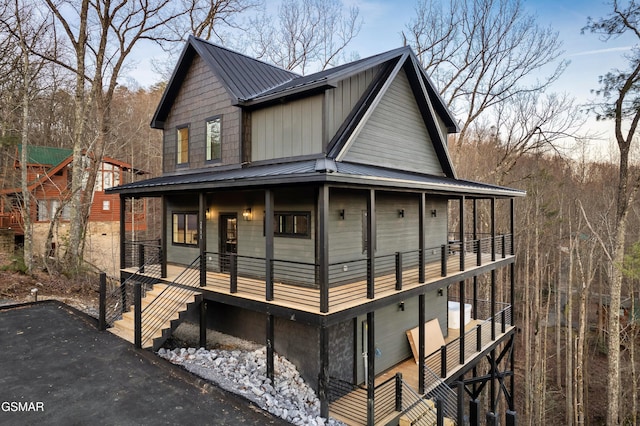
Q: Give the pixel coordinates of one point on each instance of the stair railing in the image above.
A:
(178, 292)
(440, 391)
(119, 300)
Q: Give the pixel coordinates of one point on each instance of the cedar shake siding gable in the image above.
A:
(395, 134)
(192, 107)
(241, 77)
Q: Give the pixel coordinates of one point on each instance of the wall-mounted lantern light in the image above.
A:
(246, 214)
(341, 213)
(208, 214)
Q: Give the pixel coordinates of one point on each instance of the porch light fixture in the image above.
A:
(434, 213)
(401, 213)
(341, 213)
(208, 213)
(246, 215)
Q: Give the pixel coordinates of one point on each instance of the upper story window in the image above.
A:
(183, 145)
(108, 176)
(214, 138)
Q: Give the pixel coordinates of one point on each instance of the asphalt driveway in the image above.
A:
(56, 368)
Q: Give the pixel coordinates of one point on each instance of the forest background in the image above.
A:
(63, 83)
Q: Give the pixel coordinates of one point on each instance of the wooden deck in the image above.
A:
(307, 299)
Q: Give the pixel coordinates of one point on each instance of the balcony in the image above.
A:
(297, 285)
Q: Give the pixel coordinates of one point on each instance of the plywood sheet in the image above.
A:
(433, 338)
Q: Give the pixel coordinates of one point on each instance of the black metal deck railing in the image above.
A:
(457, 352)
(391, 398)
(350, 280)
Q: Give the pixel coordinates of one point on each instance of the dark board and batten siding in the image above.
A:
(391, 324)
(193, 106)
(339, 102)
(395, 135)
(288, 130)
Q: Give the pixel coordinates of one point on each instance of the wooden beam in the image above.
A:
(323, 382)
(323, 247)
(268, 233)
(123, 231)
(202, 237)
(270, 344)
(163, 239)
(421, 213)
(371, 368)
(371, 243)
(421, 342)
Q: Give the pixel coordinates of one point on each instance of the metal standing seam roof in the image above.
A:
(244, 76)
(313, 171)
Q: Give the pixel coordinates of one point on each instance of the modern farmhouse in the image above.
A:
(322, 215)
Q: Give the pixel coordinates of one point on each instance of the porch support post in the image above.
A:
(203, 324)
(474, 412)
(511, 418)
(462, 242)
(323, 247)
(493, 304)
(421, 342)
(163, 239)
(493, 229)
(494, 378)
(371, 243)
(371, 370)
(268, 233)
(123, 230)
(323, 382)
(270, 344)
(202, 237)
(475, 218)
(512, 226)
(475, 297)
(462, 318)
(512, 268)
(421, 212)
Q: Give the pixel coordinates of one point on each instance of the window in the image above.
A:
(183, 145)
(108, 176)
(106, 205)
(214, 139)
(48, 208)
(185, 228)
(292, 224)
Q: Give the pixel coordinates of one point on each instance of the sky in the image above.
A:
(384, 20)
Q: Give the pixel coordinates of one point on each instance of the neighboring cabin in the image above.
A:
(49, 175)
(313, 214)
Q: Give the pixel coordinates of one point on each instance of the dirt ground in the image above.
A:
(15, 287)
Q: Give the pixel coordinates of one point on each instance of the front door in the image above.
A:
(228, 239)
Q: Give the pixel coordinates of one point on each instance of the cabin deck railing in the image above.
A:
(457, 352)
(348, 281)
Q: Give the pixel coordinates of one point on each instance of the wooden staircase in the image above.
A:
(162, 311)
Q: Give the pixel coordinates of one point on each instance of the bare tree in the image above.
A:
(306, 34)
(20, 21)
(483, 54)
(620, 90)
